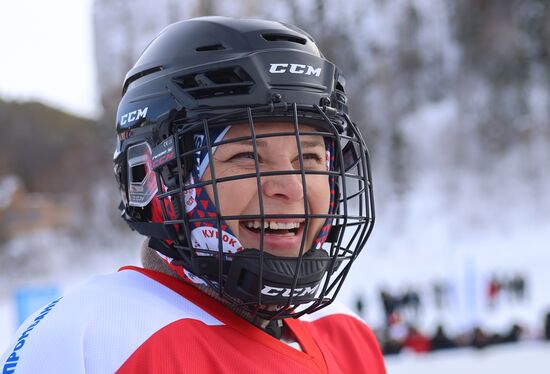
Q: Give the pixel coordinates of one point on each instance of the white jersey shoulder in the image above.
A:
(95, 328)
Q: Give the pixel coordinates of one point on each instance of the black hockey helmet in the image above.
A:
(193, 80)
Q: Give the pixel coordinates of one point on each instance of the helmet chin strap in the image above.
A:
(276, 276)
(283, 280)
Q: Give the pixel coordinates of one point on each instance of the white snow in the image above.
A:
(526, 357)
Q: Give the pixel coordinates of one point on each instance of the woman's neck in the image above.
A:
(151, 260)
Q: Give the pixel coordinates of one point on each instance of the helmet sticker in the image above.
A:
(294, 69)
(131, 117)
(163, 153)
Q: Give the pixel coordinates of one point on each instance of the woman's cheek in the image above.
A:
(234, 196)
(320, 199)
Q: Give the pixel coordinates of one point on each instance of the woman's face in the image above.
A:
(281, 194)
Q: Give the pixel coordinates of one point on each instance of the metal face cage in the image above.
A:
(255, 278)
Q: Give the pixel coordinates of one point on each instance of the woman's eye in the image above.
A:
(311, 160)
(312, 157)
(243, 156)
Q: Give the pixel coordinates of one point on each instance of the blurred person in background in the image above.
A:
(514, 335)
(441, 340)
(479, 339)
(416, 341)
(236, 158)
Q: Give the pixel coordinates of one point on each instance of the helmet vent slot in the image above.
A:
(135, 77)
(215, 83)
(284, 38)
(213, 47)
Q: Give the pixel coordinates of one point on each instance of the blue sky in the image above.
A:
(47, 54)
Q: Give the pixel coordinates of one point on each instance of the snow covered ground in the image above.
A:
(527, 357)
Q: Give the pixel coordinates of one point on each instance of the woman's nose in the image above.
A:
(288, 187)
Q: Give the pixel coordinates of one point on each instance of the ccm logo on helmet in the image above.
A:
(133, 116)
(280, 291)
(294, 69)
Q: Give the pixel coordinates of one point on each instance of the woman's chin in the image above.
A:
(277, 251)
(285, 253)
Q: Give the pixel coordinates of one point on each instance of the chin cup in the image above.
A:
(278, 276)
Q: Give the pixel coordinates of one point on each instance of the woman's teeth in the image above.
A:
(273, 225)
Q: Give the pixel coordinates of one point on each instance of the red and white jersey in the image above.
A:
(142, 321)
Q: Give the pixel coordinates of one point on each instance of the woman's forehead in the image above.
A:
(266, 128)
(241, 130)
